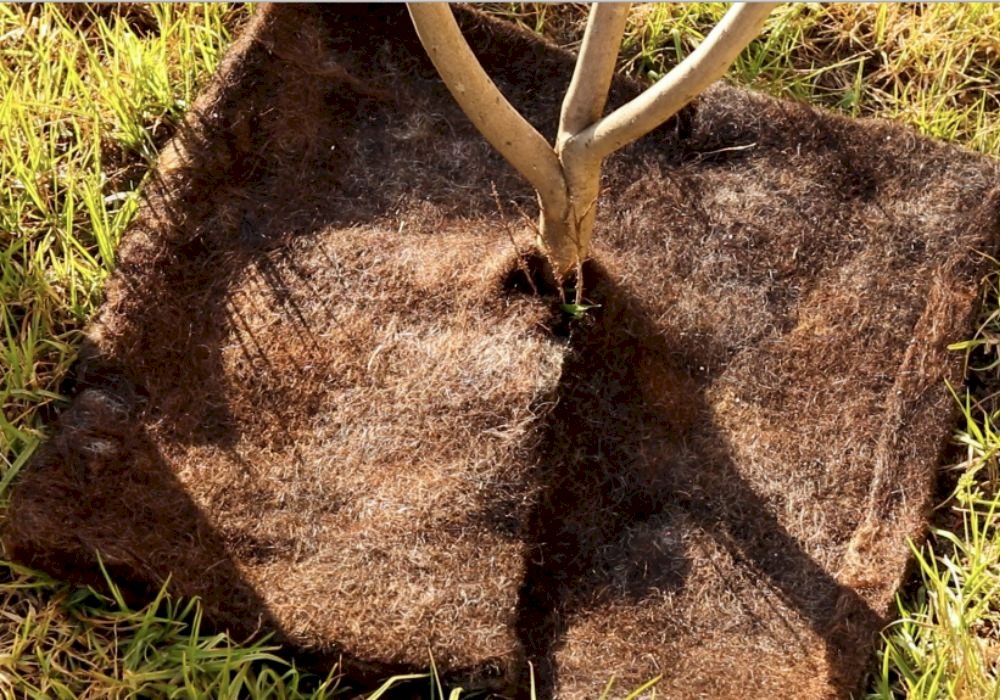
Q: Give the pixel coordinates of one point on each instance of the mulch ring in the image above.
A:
(324, 396)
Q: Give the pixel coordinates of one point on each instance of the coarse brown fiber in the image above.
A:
(323, 396)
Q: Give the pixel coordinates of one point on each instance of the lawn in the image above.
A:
(89, 96)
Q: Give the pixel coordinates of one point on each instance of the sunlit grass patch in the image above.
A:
(62, 641)
(945, 643)
(85, 104)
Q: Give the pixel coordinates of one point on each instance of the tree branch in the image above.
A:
(595, 67)
(702, 67)
(484, 104)
(567, 177)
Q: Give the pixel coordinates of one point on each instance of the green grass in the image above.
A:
(85, 104)
(87, 100)
(68, 642)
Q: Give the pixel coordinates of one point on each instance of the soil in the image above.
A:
(322, 395)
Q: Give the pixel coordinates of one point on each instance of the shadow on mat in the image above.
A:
(632, 460)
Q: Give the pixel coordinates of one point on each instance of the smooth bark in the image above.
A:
(484, 104)
(567, 176)
(595, 68)
(583, 105)
(683, 83)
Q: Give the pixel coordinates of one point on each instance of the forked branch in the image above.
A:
(567, 176)
(483, 103)
(683, 83)
(595, 67)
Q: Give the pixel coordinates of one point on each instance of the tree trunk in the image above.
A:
(567, 177)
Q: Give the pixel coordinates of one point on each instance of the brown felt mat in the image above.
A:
(322, 395)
